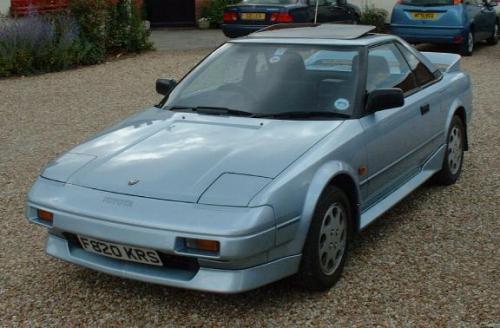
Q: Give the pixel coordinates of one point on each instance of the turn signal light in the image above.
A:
(203, 245)
(44, 215)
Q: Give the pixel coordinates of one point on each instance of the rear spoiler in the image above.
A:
(446, 63)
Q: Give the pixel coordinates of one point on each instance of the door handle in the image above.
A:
(425, 109)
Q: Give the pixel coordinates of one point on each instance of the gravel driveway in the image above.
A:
(434, 260)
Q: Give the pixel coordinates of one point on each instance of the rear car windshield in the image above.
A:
(270, 2)
(428, 2)
(272, 79)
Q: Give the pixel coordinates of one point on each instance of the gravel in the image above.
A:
(434, 260)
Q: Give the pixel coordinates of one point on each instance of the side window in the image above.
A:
(388, 69)
(422, 73)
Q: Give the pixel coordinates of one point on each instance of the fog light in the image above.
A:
(45, 215)
(203, 245)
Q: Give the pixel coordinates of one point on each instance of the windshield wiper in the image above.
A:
(304, 114)
(212, 110)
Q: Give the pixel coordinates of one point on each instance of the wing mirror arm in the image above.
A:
(165, 87)
(382, 99)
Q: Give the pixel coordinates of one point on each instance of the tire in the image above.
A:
(454, 156)
(493, 40)
(467, 47)
(325, 250)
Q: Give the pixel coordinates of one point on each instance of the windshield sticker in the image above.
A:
(274, 59)
(342, 104)
(280, 52)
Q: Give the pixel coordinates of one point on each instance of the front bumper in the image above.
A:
(246, 236)
(428, 34)
(203, 279)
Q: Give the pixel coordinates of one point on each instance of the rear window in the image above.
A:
(428, 2)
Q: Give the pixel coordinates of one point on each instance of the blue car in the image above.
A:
(261, 163)
(252, 15)
(460, 22)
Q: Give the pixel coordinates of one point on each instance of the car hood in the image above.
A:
(177, 156)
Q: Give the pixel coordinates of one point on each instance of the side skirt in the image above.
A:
(433, 165)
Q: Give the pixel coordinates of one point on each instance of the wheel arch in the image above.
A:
(460, 112)
(333, 173)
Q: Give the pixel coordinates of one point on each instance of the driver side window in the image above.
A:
(388, 69)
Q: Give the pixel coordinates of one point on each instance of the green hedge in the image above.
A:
(86, 34)
(214, 10)
(375, 16)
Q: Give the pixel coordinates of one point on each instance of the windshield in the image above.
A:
(270, 2)
(269, 79)
(428, 2)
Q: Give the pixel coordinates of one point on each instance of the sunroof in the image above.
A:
(320, 31)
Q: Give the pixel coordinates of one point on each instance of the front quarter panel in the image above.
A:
(295, 193)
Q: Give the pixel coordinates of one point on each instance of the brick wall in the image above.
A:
(199, 5)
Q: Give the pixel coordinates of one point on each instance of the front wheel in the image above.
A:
(493, 40)
(325, 250)
(467, 47)
(454, 156)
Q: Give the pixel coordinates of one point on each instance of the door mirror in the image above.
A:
(381, 99)
(165, 86)
(342, 3)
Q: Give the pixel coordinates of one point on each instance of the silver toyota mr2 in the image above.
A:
(261, 163)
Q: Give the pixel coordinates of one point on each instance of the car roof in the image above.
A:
(332, 34)
(318, 31)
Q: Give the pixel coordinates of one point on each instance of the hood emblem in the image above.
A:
(133, 182)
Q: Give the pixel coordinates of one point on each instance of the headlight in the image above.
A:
(232, 189)
(65, 166)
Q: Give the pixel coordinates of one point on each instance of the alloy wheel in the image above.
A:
(333, 238)
(455, 150)
(470, 42)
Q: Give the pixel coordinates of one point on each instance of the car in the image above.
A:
(261, 163)
(459, 22)
(252, 15)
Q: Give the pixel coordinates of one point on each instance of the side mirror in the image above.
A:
(165, 86)
(381, 99)
(342, 3)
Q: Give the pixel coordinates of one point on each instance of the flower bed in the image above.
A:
(84, 34)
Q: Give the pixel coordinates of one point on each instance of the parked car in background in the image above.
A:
(460, 22)
(252, 15)
(261, 163)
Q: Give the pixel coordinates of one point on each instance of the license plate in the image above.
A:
(425, 16)
(121, 252)
(253, 16)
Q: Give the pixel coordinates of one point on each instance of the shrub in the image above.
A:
(125, 30)
(375, 16)
(214, 10)
(91, 17)
(94, 29)
(36, 44)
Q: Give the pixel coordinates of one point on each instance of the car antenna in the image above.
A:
(316, 12)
